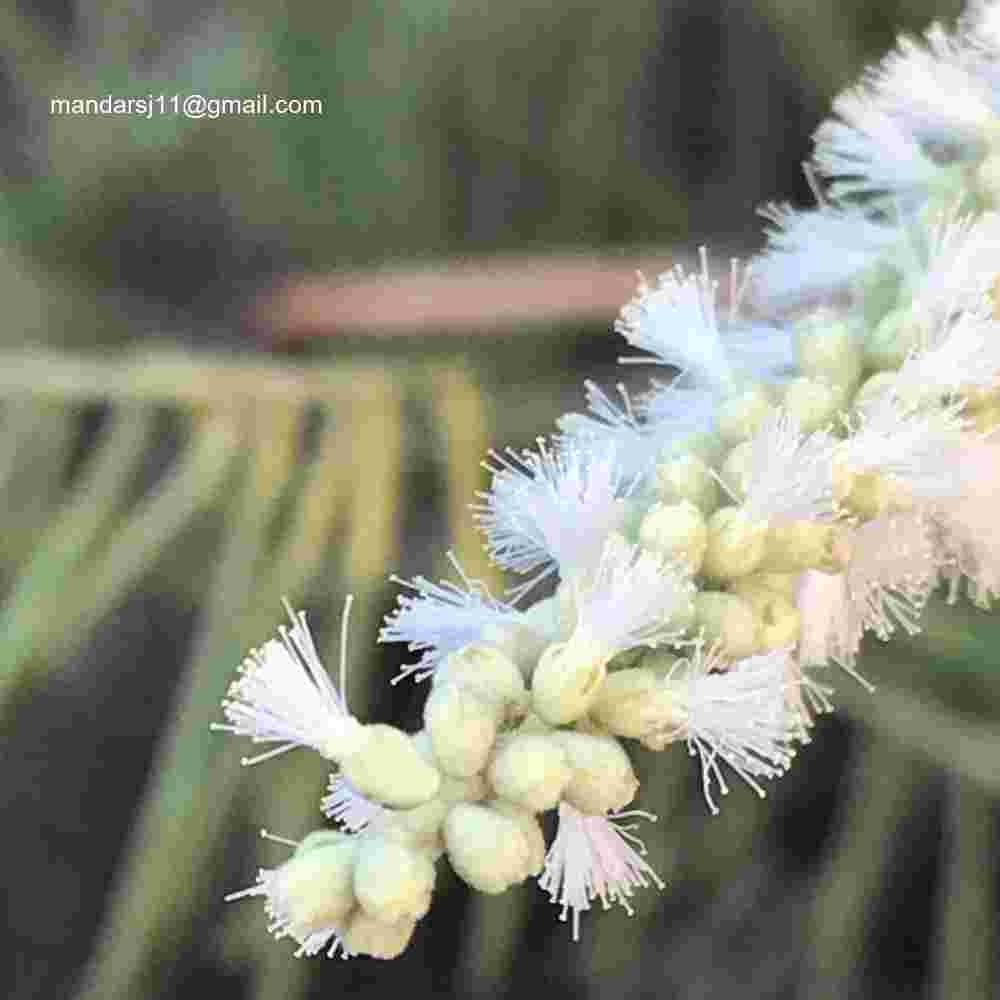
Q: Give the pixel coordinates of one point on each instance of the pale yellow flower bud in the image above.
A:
(736, 544)
(827, 347)
(567, 679)
(366, 935)
(887, 345)
(676, 531)
(804, 544)
(777, 617)
(314, 889)
(392, 880)
(603, 778)
(530, 769)
(486, 848)
(531, 831)
(735, 471)
(729, 621)
(482, 669)
(388, 767)
(687, 478)
(619, 707)
(814, 402)
(739, 416)
(462, 729)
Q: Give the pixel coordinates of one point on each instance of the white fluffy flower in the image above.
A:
(595, 857)
(631, 599)
(734, 714)
(789, 474)
(915, 446)
(677, 321)
(440, 618)
(549, 511)
(284, 696)
(814, 253)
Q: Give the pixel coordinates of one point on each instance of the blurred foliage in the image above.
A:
(215, 485)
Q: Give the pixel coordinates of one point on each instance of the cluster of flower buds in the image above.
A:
(707, 548)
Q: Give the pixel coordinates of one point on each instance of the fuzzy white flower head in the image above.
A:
(678, 323)
(632, 599)
(915, 446)
(734, 714)
(441, 618)
(285, 696)
(961, 263)
(595, 857)
(788, 475)
(643, 431)
(814, 253)
(869, 151)
(965, 352)
(549, 511)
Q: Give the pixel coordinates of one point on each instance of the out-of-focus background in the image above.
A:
(253, 356)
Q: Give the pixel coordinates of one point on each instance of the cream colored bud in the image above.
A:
(389, 768)
(315, 887)
(827, 346)
(687, 477)
(530, 769)
(603, 778)
(777, 616)
(531, 831)
(462, 729)
(676, 531)
(894, 336)
(392, 880)
(803, 544)
(863, 492)
(620, 706)
(780, 583)
(813, 401)
(706, 445)
(486, 848)
(740, 415)
(567, 679)
(986, 419)
(736, 544)
(735, 471)
(728, 620)
(482, 669)
(365, 935)
(420, 827)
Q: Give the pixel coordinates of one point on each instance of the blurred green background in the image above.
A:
(175, 458)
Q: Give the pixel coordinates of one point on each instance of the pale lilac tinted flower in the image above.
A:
(595, 857)
(677, 321)
(550, 510)
(285, 696)
(345, 805)
(440, 618)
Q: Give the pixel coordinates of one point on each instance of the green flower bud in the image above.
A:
(389, 768)
(487, 849)
(530, 769)
(814, 402)
(687, 478)
(739, 416)
(728, 620)
(366, 935)
(888, 343)
(391, 880)
(827, 347)
(676, 531)
(603, 778)
(462, 729)
(736, 544)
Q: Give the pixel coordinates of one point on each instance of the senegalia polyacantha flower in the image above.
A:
(595, 857)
